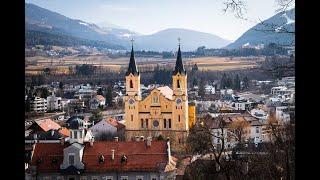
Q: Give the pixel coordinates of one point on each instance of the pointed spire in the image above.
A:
(132, 63)
(179, 65)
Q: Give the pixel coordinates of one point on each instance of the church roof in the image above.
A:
(179, 65)
(132, 65)
(166, 91)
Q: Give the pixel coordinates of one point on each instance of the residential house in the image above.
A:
(97, 101)
(251, 132)
(54, 103)
(110, 160)
(108, 129)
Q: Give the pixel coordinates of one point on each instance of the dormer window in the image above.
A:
(101, 159)
(123, 159)
(71, 159)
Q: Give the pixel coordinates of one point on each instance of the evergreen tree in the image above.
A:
(229, 83)
(245, 82)
(236, 83)
(195, 82)
(99, 92)
(223, 82)
(201, 90)
(109, 96)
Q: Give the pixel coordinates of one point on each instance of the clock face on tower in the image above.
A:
(131, 101)
(179, 101)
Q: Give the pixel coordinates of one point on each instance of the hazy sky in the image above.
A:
(150, 16)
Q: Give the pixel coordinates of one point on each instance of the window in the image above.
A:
(124, 178)
(141, 123)
(155, 98)
(257, 129)
(60, 178)
(71, 159)
(131, 84)
(94, 178)
(83, 178)
(71, 134)
(80, 135)
(179, 118)
(139, 178)
(153, 177)
(131, 117)
(72, 178)
(75, 134)
(165, 123)
(169, 123)
(108, 178)
(147, 123)
(178, 83)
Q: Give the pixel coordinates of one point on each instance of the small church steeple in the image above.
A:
(132, 63)
(179, 65)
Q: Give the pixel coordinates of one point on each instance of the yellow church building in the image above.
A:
(164, 111)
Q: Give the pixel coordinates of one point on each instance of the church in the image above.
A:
(165, 111)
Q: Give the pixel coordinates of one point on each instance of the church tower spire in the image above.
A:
(132, 68)
(179, 65)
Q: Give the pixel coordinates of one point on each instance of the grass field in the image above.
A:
(37, 64)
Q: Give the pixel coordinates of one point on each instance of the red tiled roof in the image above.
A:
(166, 91)
(48, 124)
(47, 152)
(100, 97)
(139, 156)
(115, 123)
(65, 132)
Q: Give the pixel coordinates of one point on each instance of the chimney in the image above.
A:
(91, 141)
(112, 154)
(116, 139)
(169, 149)
(149, 140)
(62, 141)
(137, 138)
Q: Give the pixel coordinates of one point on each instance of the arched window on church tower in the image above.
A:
(131, 84)
(178, 83)
(141, 123)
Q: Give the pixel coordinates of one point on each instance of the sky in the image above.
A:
(150, 16)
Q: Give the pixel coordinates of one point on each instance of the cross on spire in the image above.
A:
(179, 39)
(132, 42)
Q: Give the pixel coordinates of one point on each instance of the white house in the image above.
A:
(209, 89)
(38, 105)
(97, 101)
(282, 113)
(54, 103)
(109, 127)
(279, 90)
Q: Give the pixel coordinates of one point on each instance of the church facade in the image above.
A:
(164, 111)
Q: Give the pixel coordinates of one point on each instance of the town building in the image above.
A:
(97, 102)
(163, 112)
(38, 105)
(107, 129)
(86, 159)
(54, 103)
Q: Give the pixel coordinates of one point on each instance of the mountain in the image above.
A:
(40, 19)
(270, 31)
(166, 40)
